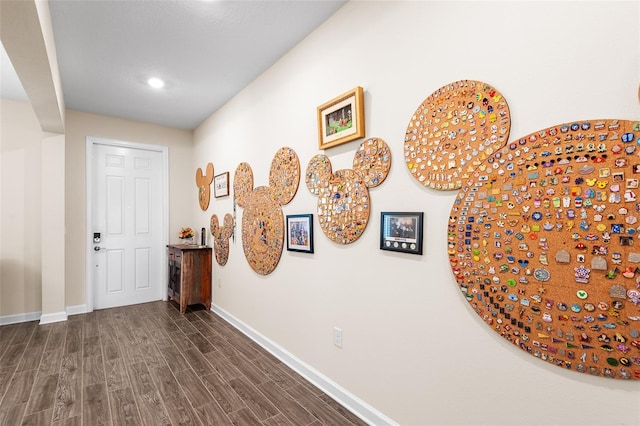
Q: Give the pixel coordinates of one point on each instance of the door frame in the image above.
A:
(89, 144)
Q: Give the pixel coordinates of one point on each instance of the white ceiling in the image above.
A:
(205, 51)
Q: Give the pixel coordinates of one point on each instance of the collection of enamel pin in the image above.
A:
(542, 237)
(343, 196)
(453, 131)
(262, 219)
(543, 242)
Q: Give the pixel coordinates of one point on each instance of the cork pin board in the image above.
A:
(453, 131)
(221, 235)
(343, 197)
(262, 218)
(543, 242)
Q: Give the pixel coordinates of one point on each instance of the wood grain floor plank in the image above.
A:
(41, 418)
(275, 371)
(13, 355)
(95, 405)
(223, 394)
(292, 410)
(90, 329)
(39, 336)
(181, 341)
(249, 370)
(197, 362)
(43, 394)
(244, 417)
(141, 380)
(56, 336)
(68, 402)
(116, 375)
(124, 410)
(73, 338)
(352, 418)
(166, 383)
(19, 388)
(6, 373)
(91, 346)
(152, 356)
(223, 366)
(255, 400)
(200, 342)
(110, 348)
(174, 358)
(31, 358)
(92, 370)
(51, 362)
(152, 410)
(181, 413)
(316, 406)
(224, 347)
(193, 388)
(24, 332)
(12, 416)
(212, 415)
(278, 420)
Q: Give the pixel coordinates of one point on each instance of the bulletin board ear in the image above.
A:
(318, 173)
(284, 175)
(209, 175)
(372, 161)
(242, 183)
(214, 226)
(227, 228)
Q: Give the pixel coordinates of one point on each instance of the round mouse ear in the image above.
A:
(209, 175)
(214, 226)
(284, 175)
(372, 161)
(242, 183)
(227, 228)
(318, 173)
(199, 177)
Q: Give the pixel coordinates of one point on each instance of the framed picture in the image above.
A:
(221, 185)
(341, 119)
(401, 232)
(300, 233)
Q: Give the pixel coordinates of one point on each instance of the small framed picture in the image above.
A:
(401, 232)
(341, 119)
(221, 185)
(300, 233)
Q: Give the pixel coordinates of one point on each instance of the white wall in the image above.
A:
(20, 212)
(413, 348)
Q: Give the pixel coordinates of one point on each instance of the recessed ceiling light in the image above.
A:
(156, 83)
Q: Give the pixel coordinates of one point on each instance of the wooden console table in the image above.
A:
(189, 275)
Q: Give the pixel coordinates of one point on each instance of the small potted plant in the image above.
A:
(186, 235)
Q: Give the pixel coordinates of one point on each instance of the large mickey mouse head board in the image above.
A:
(343, 196)
(453, 131)
(544, 243)
(262, 219)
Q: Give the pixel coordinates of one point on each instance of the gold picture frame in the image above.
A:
(341, 119)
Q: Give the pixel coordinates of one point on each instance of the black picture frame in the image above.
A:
(300, 233)
(401, 231)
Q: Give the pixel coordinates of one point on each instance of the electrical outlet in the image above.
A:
(337, 337)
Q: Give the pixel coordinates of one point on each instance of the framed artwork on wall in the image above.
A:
(341, 119)
(300, 233)
(221, 185)
(401, 232)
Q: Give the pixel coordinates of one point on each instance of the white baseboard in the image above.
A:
(16, 318)
(54, 317)
(358, 407)
(77, 309)
(44, 319)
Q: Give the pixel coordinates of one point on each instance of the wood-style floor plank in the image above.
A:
(211, 414)
(43, 394)
(181, 412)
(287, 406)
(41, 418)
(255, 400)
(95, 405)
(224, 395)
(124, 411)
(19, 389)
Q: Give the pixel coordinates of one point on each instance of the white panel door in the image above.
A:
(126, 207)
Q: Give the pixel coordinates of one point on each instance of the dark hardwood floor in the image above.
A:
(148, 365)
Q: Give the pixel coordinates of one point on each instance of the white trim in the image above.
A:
(16, 318)
(354, 404)
(90, 141)
(76, 310)
(55, 317)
